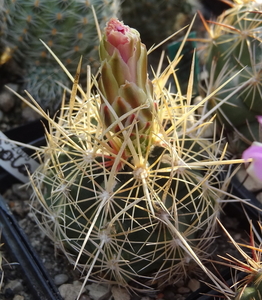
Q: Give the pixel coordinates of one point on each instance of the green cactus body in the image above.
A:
(235, 45)
(67, 27)
(156, 20)
(130, 215)
(129, 188)
(246, 271)
(250, 293)
(253, 290)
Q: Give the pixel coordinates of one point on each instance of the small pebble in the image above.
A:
(20, 191)
(7, 100)
(250, 183)
(30, 114)
(237, 237)
(15, 286)
(84, 297)
(259, 197)
(60, 279)
(169, 294)
(180, 283)
(48, 265)
(183, 290)
(179, 297)
(97, 291)
(193, 284)
(70, 291)
(18, 297)
(37, 245)
(120, 293)
(18, 207)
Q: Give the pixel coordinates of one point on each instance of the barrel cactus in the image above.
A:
(246, 271)
(234, 48)
(128, 185)
(67, 26)
(171, 15)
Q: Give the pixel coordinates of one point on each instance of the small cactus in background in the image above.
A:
(129, 187)
(247, 280)
(234, 48)
(157, 20)
(67, 26)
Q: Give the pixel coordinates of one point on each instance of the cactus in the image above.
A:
(248, 284)
(128, 185)
(234, 44)
(171, 15)
(67, 26)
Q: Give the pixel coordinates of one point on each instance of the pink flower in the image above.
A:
(259, 118)
(254, 152)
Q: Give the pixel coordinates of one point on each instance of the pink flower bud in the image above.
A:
(124, 82)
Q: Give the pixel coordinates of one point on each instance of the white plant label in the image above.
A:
(14, 160)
